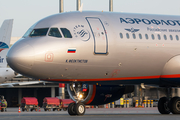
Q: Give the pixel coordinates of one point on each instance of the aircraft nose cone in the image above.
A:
(20, 57)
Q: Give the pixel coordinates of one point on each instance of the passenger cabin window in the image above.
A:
(152, 36)
(146, 36)
(140, 36)
(177, 37)
(54, 32)
(39, 32)
(165, 37)
(127, 35)
(121, 35)
(66, 33)
(134, 36)
(159, 37)
(171, 37)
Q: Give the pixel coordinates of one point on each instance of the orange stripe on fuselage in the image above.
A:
(107, 79)
(124, 78)
(171, 76)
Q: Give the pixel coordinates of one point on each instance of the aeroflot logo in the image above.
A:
(81, 32)
(149, 21)
(3, 46)
(132, 30)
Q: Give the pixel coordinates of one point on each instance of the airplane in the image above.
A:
(5, 36)
(102, 55)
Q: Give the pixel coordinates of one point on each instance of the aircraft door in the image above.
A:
(99, 34)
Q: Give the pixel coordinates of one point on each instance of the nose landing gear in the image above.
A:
(71, 109)
(76, 108)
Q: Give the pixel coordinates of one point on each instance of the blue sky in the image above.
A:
(27, 12)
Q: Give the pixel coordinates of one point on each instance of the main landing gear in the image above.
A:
(167, 105)
(76, 108)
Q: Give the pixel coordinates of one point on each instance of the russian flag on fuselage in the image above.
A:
(71, 50)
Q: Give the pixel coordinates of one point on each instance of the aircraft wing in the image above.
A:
(20, 83)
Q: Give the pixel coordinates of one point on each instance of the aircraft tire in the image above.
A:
(79, 108)
(71, 109)
(163, 106)
(175, 105)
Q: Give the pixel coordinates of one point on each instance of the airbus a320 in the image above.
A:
(102, 55)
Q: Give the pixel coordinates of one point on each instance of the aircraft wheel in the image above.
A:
(163, 106)
(71, 109)
(79, 108)
(175, 105)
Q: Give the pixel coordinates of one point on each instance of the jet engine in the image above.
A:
(170, 74)
(97, 94)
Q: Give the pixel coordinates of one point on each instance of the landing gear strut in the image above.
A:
(167, 105)
(76, 108)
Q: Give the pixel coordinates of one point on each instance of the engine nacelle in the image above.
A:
(6, 74)
(98, 95)
(171, 73)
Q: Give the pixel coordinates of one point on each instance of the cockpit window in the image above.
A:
(66, 33)
(54, 32)
(39, 32)
(29, 30)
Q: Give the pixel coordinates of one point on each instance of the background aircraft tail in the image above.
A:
(5, 37)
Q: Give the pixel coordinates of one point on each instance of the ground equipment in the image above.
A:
(29, 103)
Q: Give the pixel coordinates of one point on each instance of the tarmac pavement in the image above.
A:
(91, 114)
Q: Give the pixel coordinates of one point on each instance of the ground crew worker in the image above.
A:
(3, 103)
